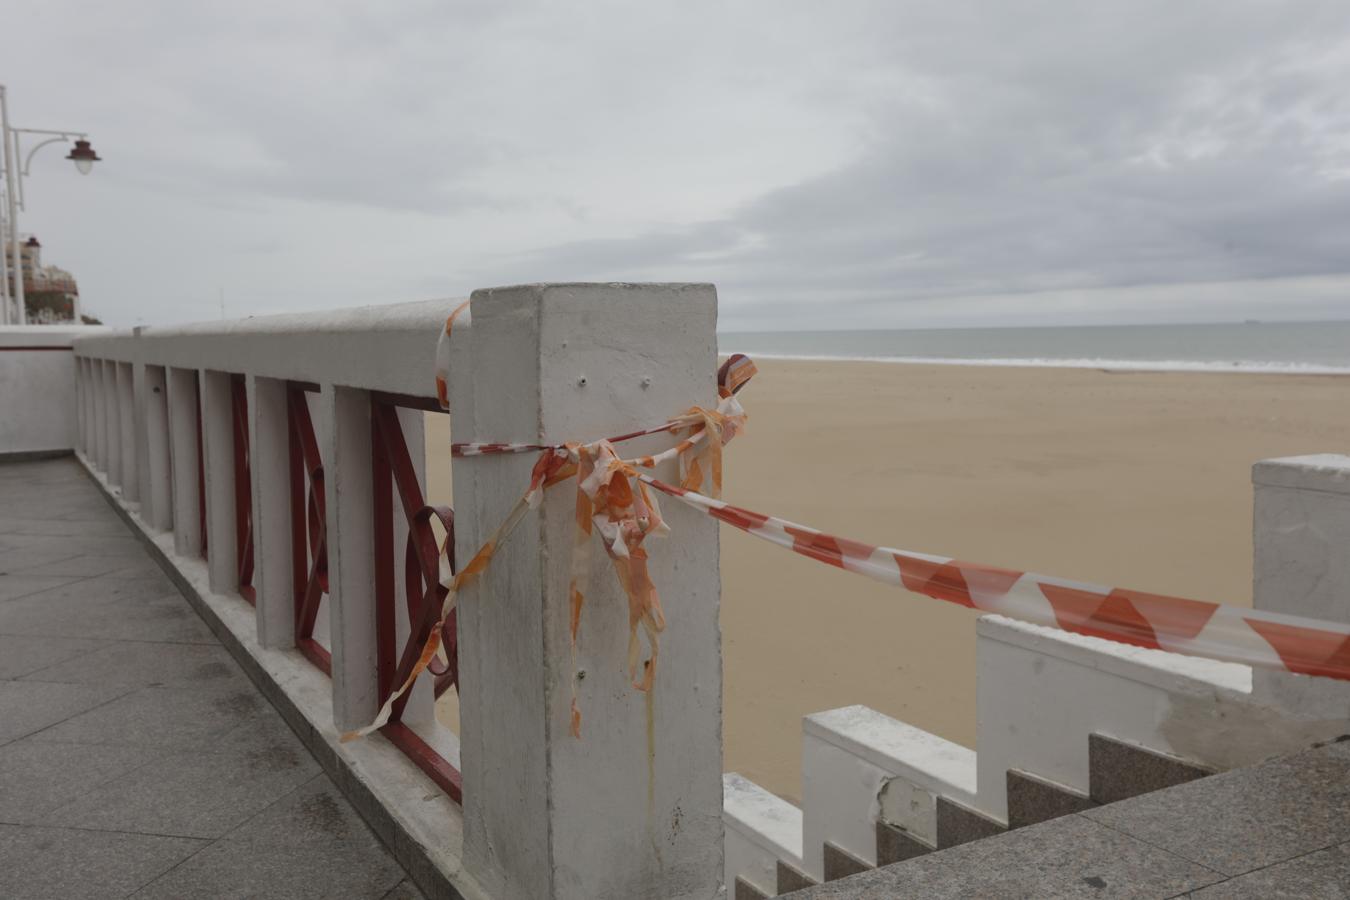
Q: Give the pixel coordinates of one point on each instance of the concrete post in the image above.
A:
(157, 508)
(100, 400)
(79, 405)
(112, 424)
(1301, 529)
(183, 411)
(633, 808)
(218, 449)
(345, 446)
(126, 421)
(142, 436)
(272, 577)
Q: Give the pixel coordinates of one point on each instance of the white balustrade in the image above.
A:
(636, 806)
(633, 808)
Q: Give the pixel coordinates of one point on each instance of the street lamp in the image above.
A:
(82, 155)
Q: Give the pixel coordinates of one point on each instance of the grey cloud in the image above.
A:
(1169, 146)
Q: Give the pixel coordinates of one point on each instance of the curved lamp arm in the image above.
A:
(60, 136)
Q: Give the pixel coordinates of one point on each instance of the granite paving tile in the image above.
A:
(68, 864)
(130, 740)
(267, 733)
(165, 618)
(1248, 818)
(235, 870)
(21, 655)
(1069, 857)
(36, 777)
(31, 524)
(27, 707)
(1324, 875)
(168, 717)
(404, 890)
(21, 560)
(15, 586)
(104, 590)
(89, 565)
(75, 545)
(142, 568)
(193, 794)
(149, 663)
(314, 814)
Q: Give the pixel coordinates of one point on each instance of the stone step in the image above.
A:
(959, 824)
(896, 844)
(1033, 799)
(1281, 828)
(1118, 770)
(791, 878)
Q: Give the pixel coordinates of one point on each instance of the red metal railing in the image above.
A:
(393, 469)
(243, 489)
(309, 532)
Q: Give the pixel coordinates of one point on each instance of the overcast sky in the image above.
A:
(827, 165)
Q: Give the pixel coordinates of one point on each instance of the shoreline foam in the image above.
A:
(1254, 367)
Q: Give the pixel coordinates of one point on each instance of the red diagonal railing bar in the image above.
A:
(243, 490)
(386, 640)
(446, 776)
(201, 464)
(421, 578)
(423, 615)
(393, 470)
(309, 529)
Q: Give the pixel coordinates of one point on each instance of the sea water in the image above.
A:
(1294, 347)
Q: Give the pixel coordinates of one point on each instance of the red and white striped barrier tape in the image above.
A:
(1192, 627)
(607, 503)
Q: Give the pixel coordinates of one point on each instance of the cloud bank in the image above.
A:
(862, 165)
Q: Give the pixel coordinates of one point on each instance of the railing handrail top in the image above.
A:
(386, 317)
(47, 335)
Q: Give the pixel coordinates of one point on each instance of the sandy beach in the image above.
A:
(1135, 479)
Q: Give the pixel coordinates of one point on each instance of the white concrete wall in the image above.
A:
(1301, 534)
(1041, 692)
(761, 829)
(38, 409)
(859, 765)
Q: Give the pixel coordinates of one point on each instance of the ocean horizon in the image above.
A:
(1299, 348)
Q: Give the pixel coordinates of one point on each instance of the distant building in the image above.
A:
(50, 293)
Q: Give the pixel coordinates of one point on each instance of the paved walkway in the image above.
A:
(136, 759)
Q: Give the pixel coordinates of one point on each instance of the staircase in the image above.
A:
(1066, 723)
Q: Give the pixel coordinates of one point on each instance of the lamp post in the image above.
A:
(82, 155)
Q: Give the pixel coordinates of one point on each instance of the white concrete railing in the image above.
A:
(174, 419)
(38, 412)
